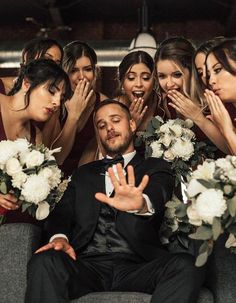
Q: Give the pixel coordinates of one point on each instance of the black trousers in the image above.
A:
(53, 277)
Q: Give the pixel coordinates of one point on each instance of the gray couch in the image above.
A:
(18, 241)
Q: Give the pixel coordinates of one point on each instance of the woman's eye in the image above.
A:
(177, 75)
(217, 70)
(52, 91)
(146, 78)
(89, 69)
(161, 76)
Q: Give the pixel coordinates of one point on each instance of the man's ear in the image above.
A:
(133, 125)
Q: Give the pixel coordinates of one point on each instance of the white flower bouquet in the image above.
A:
(211, 207)
(175, 142)
(31, 174)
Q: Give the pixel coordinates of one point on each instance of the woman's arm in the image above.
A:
(221, 118)
(191, 110)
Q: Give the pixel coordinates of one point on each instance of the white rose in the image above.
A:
(157, 150)
(194, 188)
(232, 159)
(182, 149)
(35, 189)
(193, 216)
(7, 151)
(209, 204)
(188, 123)
(228, 189)
(34, 158)
(22, 145)
(18, 180)
(13, 166)
(42, 210)
(177, 129)
(204, 171)
(232, 175)
(224, 164)
(168, 156)
(164, 128)
(166, 140)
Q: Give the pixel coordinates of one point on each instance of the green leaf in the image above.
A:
(201, 259)
(25, 205)
(181, 210)
(216, 228)
(202, 233)
(231, 203)
(206, 183)
(3, 188)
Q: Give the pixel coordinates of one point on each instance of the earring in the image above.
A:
(122, 90)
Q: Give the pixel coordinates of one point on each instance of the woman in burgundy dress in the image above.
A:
(80, 63)
(37, 93)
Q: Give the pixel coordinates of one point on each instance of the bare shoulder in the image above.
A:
(103, 97)
(8, 83)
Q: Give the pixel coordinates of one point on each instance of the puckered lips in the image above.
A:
(216, 91)
(49, 110)
(138, 93)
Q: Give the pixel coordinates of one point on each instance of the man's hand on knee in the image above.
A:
(59, 244)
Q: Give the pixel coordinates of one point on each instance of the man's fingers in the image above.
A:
(44, 248)
(102, 198)
(143, 183)
(131, 178)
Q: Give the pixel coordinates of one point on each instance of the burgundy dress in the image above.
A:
(81, 141)
(17, 216)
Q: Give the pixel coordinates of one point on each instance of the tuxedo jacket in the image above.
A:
(76, 215)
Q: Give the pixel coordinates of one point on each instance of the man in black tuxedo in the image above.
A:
(104, 232)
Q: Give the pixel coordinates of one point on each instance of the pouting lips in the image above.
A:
(138, 94)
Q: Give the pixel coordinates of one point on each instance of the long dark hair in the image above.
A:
(127, 63)
(38, 72)
(37, 48)
(223, 52)
(75, 50)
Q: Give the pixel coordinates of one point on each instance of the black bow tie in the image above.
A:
(108, 162)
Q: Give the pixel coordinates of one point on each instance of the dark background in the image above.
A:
(108, 25)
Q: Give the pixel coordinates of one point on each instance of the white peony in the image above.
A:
(35, 189)
(168, 155)
(177, 129)
(34, 158)
(209, 204)
(46, 172)
(182, 149)
(204, 171)
(164, 128)
(18, 180)
(157, 150)
(13, 167)
(7, 151)
(193, 216)
(42, 210)
(194, 188)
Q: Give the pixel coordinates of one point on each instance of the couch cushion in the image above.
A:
(132, 297)
(18, 240)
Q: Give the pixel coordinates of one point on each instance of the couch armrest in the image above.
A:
(222, 272)
(17, 242)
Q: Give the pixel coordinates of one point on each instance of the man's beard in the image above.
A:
(118, 149)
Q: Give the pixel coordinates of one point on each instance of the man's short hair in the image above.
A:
(112, 101)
